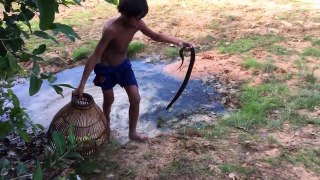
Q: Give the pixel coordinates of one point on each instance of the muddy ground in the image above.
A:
(283, 35)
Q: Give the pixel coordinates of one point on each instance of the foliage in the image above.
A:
(311, 51)
(135, 47)
(171, 52)
(16, 29)
(84, 50)
(245, 44)
(257, 104)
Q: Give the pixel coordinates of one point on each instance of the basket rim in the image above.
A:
(75, 101)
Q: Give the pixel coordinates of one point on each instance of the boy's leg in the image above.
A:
(108, 98)
(134, 100)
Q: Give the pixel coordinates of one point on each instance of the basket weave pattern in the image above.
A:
(91, 128)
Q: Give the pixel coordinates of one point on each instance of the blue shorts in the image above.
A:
(108, 76)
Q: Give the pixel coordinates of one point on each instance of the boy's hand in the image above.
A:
(189, 45)
(78, 92)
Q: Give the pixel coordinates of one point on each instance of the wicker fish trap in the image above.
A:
(91, 128)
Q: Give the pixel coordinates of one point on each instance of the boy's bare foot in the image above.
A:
(138, 137)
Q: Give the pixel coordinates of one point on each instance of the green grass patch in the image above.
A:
(171, 52)
(257, 103)
(246, 44)
(84, 50)
(251, 63)
(307, 99)
(135, 47)
(310, 158)
(313, 40)
(278, 50)
(311, 51)
(213, 24)
(228, 168)
(211, 132)
(184, 168)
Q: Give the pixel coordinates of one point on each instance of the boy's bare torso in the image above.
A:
(116, 51)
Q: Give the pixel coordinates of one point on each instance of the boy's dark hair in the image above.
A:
(133, 8)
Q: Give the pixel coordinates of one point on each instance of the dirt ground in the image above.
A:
(238, 154)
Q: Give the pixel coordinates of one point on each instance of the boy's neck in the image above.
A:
(127, 22)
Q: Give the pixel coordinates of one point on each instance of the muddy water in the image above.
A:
(156, 90)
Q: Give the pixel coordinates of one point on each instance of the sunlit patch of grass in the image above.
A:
(213, 24)
(278, 50)
(251, 63)
(313, 40)
(307, 99)
(84, 50)
(184, 168)
(171, 52)
(211, 132)
(245, 44)
(135, 47)
(257, 103)
(230, 167)
(311, 51)
(309, 157)
(266, 67)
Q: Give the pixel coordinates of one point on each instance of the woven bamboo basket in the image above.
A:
(91, 127)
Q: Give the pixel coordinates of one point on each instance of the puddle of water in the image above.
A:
(156, 91)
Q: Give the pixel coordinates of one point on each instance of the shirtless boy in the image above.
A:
(111, 65)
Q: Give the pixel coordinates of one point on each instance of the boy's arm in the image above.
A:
(160, 37)
(93, 59)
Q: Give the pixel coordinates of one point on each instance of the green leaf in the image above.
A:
(71, 137)
(66, 85)
(35, 68)
(23, 134)
(41, 49)
(13, 62)
(44, 35)
(35, 85)
(65, 29)
(47, 9)
(115, 2)
(36, 58)
(59, 142)
(24, 57)
(49, 76)
(4, 163)
(74, 155)
(21, 169)
(5, 128)
(14, 98)
(38, 173)
(58, 89)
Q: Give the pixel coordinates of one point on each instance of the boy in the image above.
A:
(110, 63)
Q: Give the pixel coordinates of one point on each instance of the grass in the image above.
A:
(257, 104)
(135, 47)
(313, 40)
(228, 168)
(183, 168)
(278, 50)
(206, 42)
(246, 44)
(309, 157)
(171, 52)
(84, 50)
(213, 24)
(311, 51)
(307, 99)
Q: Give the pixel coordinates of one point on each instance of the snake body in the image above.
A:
(188, 74)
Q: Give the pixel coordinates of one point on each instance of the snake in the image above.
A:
(188, 74)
